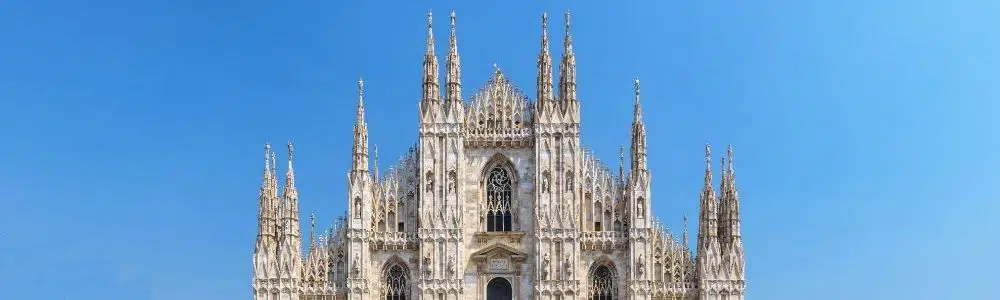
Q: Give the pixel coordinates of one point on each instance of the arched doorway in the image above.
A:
(499, 289)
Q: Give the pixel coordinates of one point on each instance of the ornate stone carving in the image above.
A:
(545, 267)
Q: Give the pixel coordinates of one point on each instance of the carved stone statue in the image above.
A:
(545, 267)
(640, 267)
(356, 269)
(451, 265)
(452, 179)
(428, 268)
(430, 182)
(545, 182)
(569, 182)
(568, 265)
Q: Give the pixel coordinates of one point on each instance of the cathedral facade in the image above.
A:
(498, 199)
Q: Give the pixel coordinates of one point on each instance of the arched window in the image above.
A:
(396, 285)
(602, 284)
(498, 200)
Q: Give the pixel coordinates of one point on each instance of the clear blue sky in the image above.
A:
(865, 133)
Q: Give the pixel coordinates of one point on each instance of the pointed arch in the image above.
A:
(603, 279)
(499, 181)
(395, 279)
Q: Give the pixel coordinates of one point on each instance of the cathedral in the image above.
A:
(498, 199)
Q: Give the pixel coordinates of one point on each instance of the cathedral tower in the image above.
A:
(441, 161)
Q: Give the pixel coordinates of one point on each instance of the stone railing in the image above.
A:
(394, 240)
(511, 238)
(673, 289)
(478, 137)
(603, 240)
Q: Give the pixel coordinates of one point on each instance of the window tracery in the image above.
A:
(499, 200)
(395, 285)
(602, 284)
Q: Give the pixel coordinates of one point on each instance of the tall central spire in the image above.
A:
(454, 67)
(567, 68)
(360, 160)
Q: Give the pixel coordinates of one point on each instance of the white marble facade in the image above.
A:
(498, 200)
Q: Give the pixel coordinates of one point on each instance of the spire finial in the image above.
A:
(291, 153)
(568, 40)
(544, 84)
(452, 17)
(685, 232)
(545, 21)
(454, 69)
(361, 92)
(267, 157)
(375, 172)
(621, 162)
(430, 20)
(635, 85)
(312, 231)
(708, 154)
(729, 156)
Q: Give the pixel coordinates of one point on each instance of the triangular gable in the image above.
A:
(498, 247)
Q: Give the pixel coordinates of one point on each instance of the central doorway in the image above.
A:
(499, 289)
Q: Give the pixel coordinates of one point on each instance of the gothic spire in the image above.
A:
(732, 199)
(291, 192)
(544, 65)
(360, 160)
(375, 172)
(621, 164)
(639, 151)
(684, 234)
(291, 240)
(266, 218)
(707, 231)
(567, 68)
(265, 204)
(454, 67)
(431, 88)
(312, 232)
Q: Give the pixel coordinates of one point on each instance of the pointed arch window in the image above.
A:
(396, 285)
(602, 284)
(499, 202)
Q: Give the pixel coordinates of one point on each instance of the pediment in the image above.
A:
(498, 249)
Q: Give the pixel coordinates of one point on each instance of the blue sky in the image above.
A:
(865, 131)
